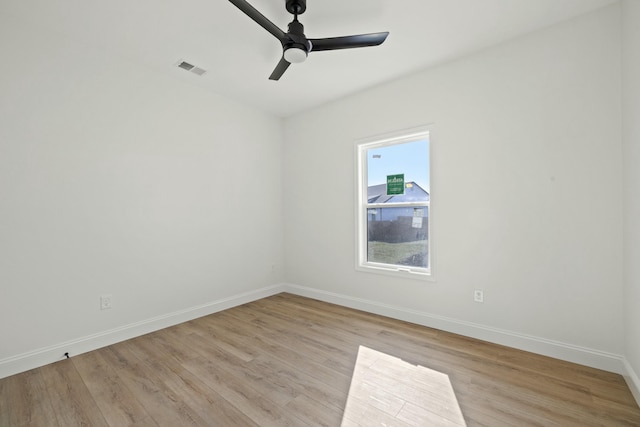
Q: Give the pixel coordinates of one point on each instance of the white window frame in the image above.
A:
(362, 205)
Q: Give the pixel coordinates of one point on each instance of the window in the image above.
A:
(394, 204)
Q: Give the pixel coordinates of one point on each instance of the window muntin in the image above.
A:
(394, 229)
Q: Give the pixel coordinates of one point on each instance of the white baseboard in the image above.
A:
(43, 356)
(631, 377)
(584, 356)
(568, 352)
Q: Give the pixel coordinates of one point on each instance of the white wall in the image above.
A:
(527, 198)
(631, 151)
(116, 180)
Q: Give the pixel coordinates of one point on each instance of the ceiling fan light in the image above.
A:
(295, 55)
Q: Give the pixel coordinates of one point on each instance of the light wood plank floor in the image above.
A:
(288, 361)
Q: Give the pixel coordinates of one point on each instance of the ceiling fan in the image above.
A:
(295, 45)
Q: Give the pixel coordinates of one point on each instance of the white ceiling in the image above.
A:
(239, 55)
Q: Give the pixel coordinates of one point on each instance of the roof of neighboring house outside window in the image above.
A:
(412, 193)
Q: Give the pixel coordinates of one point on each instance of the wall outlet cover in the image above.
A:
(105, 302)
(478, 295)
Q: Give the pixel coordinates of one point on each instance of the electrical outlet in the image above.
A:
(478, 295)
(105, 302)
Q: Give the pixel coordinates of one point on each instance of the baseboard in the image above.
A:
(584, 356)
(631, 377)
(43, 356)
(571, 353)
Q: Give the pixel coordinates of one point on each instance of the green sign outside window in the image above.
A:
(395, 184)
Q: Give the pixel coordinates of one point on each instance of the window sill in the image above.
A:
(398, 272)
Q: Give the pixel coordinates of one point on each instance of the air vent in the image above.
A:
(190, 67)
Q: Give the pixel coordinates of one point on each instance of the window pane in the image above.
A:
(398, 236)
(410, 159)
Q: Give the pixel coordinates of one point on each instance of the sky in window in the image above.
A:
(410, 158)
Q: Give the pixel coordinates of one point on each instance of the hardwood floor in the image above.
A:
(289, 361)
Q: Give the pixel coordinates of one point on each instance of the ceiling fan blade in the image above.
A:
(260, 19)
(280, 69)
(348, 42)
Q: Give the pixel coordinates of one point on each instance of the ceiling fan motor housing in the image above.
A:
(296, 7)
(295, 38)
(295, 27)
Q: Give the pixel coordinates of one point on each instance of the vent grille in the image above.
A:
(192, 68)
